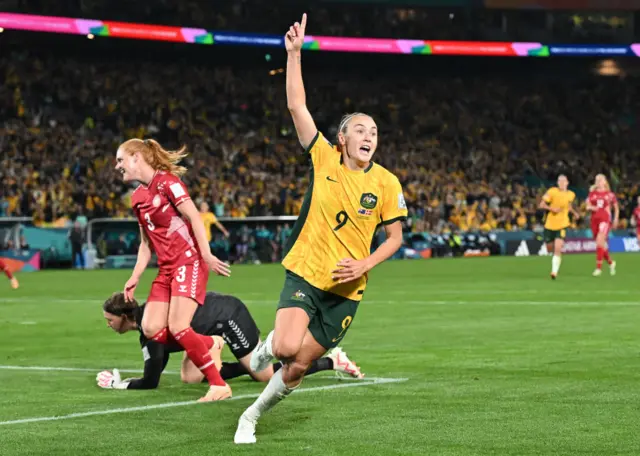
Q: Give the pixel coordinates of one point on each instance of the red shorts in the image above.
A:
(189, 280)
(600, 226)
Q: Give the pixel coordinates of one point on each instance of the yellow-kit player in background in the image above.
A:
(328, 253)
(558, 201)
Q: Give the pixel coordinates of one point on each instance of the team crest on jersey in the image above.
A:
(298, 296)
(368, 200)
(156, 201)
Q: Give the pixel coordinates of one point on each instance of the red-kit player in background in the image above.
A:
(636, 217)
(171, 226)
(600, 201)
(4, 268)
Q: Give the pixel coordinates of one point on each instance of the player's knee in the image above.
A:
(151, 329)
(285, 349)
(176, 326)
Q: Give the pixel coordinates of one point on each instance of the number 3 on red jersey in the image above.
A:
(150, 224)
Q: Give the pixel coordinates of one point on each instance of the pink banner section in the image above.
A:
(333, 43)
(38, 23)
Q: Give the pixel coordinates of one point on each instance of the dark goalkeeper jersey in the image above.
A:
(208, 320)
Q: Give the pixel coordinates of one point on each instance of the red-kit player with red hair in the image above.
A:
(171, 226)
(4, 268)
(600, 201)
(636, 216)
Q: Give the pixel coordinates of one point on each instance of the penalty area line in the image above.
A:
(343, 377)
(144, 408)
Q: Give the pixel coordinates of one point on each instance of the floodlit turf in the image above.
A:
(500, 361)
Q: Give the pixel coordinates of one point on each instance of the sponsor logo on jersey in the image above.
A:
(177, 190)
(183, 289)
(156, 201)
(368, 200)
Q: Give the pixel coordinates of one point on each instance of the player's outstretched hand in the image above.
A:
(130, 288)
(111, 380)
(350, 269)
(294, 38)
(217, 266)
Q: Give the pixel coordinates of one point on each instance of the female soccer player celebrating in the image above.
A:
(327, 256)
(169, 223)
(558, 201)
(599, 202)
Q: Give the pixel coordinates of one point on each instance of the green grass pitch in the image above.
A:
(500, 360)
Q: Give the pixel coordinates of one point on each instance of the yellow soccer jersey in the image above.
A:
(339, 216)
(208, 219)
(562, 200)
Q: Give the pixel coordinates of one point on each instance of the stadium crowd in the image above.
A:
(473, 153)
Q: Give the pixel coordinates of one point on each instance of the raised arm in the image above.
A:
(296, 98)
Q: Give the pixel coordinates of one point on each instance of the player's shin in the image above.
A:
(275, 391)
(555, 264)
(198, 352)
(599, 257)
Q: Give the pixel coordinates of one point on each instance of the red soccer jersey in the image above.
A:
(156, 208)
(603, 201)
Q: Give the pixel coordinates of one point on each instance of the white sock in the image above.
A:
(555, 264)
(274, 392)
(268, 344)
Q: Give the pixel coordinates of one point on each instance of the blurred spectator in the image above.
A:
(24, 245)
(77, 238)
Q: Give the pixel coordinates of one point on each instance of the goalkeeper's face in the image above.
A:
(118, 323)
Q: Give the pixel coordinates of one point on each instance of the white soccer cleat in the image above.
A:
(612, 268)
(261, 356)
(246, 432)
(597, 273)
(342, 364)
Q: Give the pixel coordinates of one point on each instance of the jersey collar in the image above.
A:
(151, 181)
(366, 170)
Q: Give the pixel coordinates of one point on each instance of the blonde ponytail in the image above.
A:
(156, 156)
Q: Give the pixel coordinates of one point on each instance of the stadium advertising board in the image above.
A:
(598, 5)
(21, 260)
(101, 28)
(535, 247)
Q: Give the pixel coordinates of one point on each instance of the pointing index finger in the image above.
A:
(303, 24)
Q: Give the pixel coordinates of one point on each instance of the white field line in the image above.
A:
(510, 302)
(145, 408)
(140, 371)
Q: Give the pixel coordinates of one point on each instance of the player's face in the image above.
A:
(115, 322)
(361, 138)
(126, 165)
(600, 182)
(563, 183)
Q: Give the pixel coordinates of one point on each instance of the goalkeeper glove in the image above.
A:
(108, 380)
